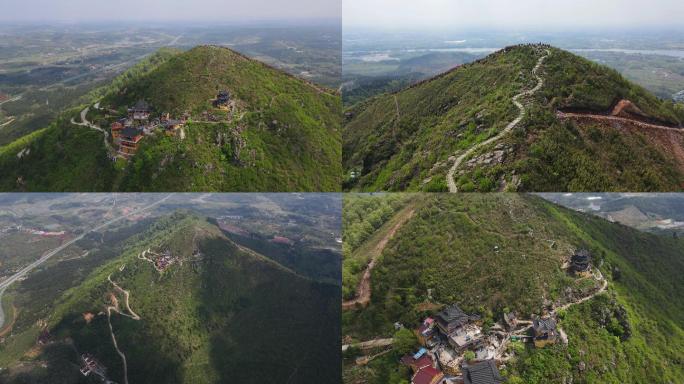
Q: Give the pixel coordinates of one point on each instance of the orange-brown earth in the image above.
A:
(628, 118)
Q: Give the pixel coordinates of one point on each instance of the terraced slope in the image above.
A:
(411, 140)
(282, 136)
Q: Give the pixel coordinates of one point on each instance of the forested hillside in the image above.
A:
(282, 133)
(217, 313)
(498, 253)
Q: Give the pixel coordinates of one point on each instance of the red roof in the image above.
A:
(424, 330)
(132, 139)
(426, 375)
(423, 361)
(282, 240)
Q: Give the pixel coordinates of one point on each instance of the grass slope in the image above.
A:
(488, 252)
(402, 141)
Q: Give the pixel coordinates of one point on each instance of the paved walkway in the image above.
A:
(540, 83)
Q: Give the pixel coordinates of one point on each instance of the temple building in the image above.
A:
(140, 111)
(544, 331)
(580, 262)
(129, 140)
(423, 368)
(453, 318)
(117, 127)
(484, 372)
(222, 100)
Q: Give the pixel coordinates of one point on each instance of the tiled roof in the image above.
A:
(482, 373)
(131, 132)
(548, 324)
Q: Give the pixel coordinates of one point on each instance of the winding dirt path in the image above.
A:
(370, 344)
(24, 271)
(85, 123)
(516, 100)
(599, 277)
(396, 106)
(130, 314)
(614, 119)
(507, 336)
(8, 122)
(363, 290)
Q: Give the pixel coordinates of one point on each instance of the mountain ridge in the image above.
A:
(443, 116)
(278, 133)
(500, 253)
(181, 303)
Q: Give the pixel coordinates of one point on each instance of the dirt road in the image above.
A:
(516, 100)
(85, 123)
(363, 290)
(614, 119)
(130, 314)
(370, 344)
(24, 271)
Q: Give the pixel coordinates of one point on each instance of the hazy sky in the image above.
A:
(511, 13)
(134, 10)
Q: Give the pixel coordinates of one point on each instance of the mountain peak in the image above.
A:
(500, 123)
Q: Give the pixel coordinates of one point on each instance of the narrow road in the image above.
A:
(8, 122)
(540, 83)
(105, 68)
(85, 123)
(370, 344)
(126, 294)
(15, 98)
(614, 119)
(363, 290)
(24, 271)
(599, 277)
(130, 314)
(175, 40)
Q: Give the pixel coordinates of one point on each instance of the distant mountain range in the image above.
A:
(582, 127)
(658, 213)
(274, 133)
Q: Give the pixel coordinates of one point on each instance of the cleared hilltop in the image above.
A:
(579, 126)
(271, 132)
